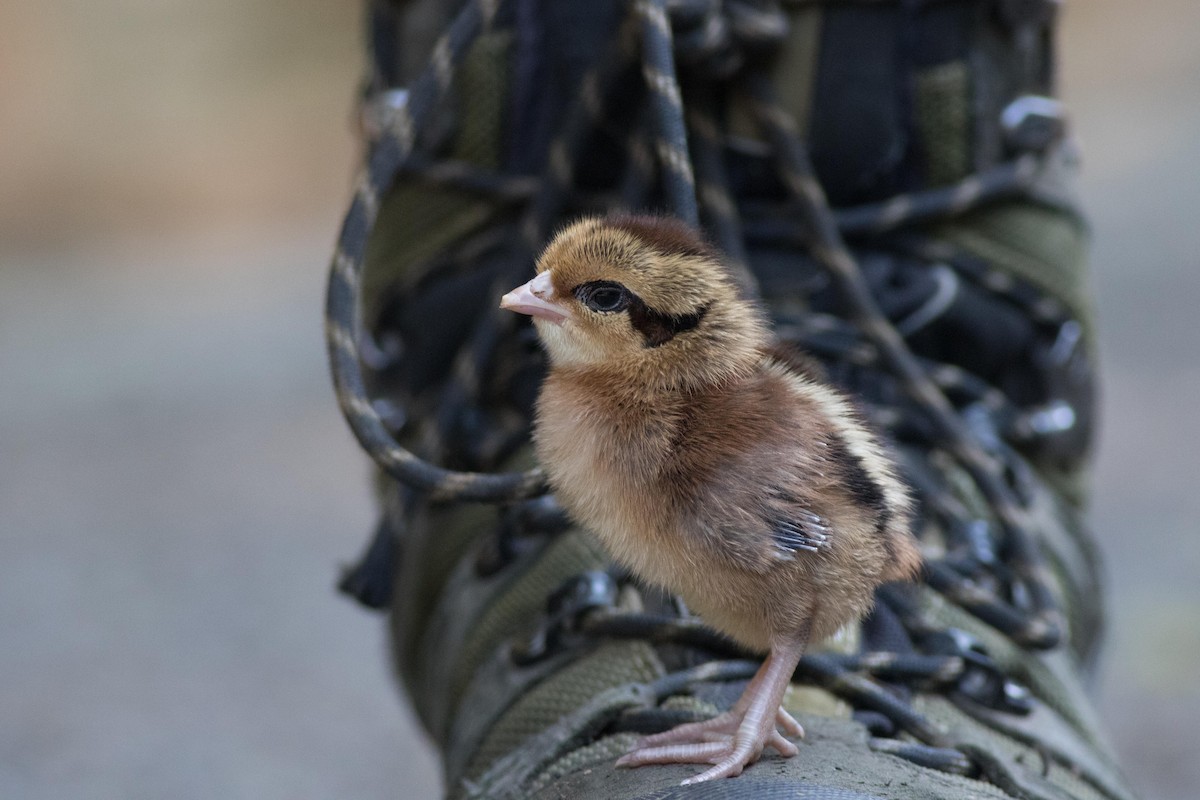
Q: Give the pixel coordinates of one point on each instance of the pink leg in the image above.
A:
(736, 738)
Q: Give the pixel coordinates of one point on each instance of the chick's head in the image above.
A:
(636, 291)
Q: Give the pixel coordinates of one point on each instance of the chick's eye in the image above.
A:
(603, 296)
(605, 299)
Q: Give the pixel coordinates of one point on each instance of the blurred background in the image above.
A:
(177, 488)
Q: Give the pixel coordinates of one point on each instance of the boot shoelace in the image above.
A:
(684, 51)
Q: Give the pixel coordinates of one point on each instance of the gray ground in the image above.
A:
(177, 489)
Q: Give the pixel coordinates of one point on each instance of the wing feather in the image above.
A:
(799, 531)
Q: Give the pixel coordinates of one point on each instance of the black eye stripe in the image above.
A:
(658, 328)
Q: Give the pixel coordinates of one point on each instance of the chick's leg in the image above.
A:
(736, 738)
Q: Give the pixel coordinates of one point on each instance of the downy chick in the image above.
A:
(708, 462)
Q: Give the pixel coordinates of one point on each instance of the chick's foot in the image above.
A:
(731, 742)
(723, 726)
(736, 738)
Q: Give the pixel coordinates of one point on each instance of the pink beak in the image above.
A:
(533, 299)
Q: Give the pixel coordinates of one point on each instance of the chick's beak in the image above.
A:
(533, 299)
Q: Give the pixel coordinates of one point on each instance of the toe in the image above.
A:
(701, 753)
(729, 768)
(788, 723)
(782, 745)
(725, 723)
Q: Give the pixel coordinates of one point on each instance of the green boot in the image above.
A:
(921, 134)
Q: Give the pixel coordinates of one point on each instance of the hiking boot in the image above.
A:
(925, 136)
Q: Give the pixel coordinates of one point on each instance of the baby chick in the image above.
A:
(708, 462)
